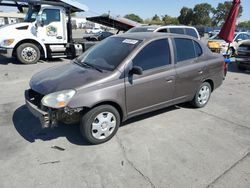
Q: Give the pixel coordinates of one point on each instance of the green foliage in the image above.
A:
(201, 14)
(168, 20)
(221, 12)
(244, 24)
(134, 17)
(186, 16)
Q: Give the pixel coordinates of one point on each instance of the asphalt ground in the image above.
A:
(175, 147)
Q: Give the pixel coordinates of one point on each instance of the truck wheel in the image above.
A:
(100, 124)
(202, 96)
(28, 53)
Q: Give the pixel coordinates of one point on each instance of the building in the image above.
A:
(10, 17)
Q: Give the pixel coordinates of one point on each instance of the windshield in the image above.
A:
(142, 29)
(109, 53)
(32, 14)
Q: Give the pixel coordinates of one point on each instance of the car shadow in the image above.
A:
(30, 129)
(6, 61)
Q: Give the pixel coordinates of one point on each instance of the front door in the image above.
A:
(155, 87)
(53, 29)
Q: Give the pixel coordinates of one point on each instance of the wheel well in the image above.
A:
(211, 83)
(115, 105)
(32, 42)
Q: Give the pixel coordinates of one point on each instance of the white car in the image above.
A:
(238, 38)
(177, 29)
(96, 30)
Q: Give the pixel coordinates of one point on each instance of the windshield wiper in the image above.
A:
(91, 66)
(85, 64)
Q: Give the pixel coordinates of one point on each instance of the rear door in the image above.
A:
(190, 69)
(156, 86)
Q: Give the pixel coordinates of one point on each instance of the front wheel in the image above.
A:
(202, 96)
(28, 53)
(100, 124)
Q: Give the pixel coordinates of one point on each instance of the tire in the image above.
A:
(100, 124)
(202, 95)
(28, 53)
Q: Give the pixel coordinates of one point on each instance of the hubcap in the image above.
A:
(29, 54)
(103, 125)
(204, 94)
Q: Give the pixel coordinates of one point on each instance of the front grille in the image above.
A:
(35, 97)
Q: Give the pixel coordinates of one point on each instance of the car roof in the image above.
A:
(150, 35)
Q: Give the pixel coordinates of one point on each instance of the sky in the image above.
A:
(148, 8)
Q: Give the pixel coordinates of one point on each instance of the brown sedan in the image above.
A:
(122, 77)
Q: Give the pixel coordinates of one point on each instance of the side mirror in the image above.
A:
(136, 70)
(39, 21)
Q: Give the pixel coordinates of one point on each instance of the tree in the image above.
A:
(168, 20)
(244, 24)
(156, 20)
(201, 14)
(221, 12)
(186, 16)
(134, 17)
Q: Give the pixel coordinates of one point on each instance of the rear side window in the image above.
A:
(176, 30)
(191, 32)
(163, 31)
(184, 49)
(154, 55)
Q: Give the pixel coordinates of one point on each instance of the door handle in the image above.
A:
(169, 80)
(200, 72)
(59, 37)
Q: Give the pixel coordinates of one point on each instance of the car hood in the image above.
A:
(12, 30)
(69, 76)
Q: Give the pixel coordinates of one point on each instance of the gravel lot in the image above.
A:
(174, 147)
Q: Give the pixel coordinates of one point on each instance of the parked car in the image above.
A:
(216, 44)
(96, 30)
(124, 76)
(177, 29)
(99, 36)
(243, 55)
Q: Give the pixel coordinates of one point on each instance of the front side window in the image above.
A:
(184, 49)
(50, 15)
(154, 55)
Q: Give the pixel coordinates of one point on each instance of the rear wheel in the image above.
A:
(28, 53)
(202, 96)
(100, 124)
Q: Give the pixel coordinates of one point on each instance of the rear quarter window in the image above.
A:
(191, 32)
(198, 49)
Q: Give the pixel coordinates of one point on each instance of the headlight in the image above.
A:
(7, 42)
(58, 99)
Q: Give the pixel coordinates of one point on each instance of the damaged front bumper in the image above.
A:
(50, 117)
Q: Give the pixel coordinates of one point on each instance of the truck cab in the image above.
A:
(45, 33)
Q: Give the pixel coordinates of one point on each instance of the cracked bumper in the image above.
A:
(43, 116)
(6, 52)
